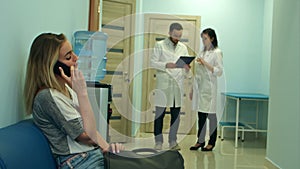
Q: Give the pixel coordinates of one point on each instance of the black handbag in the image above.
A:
(144, 158)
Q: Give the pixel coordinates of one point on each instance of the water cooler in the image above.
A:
(91, 48)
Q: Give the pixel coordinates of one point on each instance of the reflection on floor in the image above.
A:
(249, 154)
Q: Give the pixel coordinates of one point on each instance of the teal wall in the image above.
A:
(283, 147)
(21, 22)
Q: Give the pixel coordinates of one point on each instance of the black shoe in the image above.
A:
(197, 146)
(207, 149)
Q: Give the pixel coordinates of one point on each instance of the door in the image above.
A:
(157, 28)
(118, 23)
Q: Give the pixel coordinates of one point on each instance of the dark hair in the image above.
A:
(212, 35)
(176, 26)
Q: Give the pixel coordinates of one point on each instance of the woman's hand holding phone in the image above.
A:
(76, 80)
(63, 75)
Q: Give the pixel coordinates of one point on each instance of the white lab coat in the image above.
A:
(169, 82)
(205, 84)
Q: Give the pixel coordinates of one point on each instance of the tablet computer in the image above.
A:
(184, 60)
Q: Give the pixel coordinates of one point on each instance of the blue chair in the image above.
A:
(23, 145)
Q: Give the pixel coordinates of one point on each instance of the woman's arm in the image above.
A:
(85, 139)
(203, 62)
(91, 136)
(86, 111)
(217, 68)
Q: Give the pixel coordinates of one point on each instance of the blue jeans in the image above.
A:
(92, 159)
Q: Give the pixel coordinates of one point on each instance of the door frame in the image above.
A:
(94, 14)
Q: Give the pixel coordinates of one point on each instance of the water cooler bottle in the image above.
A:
(91, 49)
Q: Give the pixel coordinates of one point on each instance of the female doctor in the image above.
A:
(209, 66)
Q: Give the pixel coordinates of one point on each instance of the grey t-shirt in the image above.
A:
(59, 119)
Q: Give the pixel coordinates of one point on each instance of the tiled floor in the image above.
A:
(249, 154)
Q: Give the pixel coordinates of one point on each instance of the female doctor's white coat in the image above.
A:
(205, 84)
(169, 82)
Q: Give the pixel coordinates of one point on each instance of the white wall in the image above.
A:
(21, 22)
(283, 147)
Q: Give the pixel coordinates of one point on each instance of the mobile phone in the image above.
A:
(65, 67)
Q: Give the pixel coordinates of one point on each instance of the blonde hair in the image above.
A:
(44, 53)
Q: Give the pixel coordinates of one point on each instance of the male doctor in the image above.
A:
(169, 83)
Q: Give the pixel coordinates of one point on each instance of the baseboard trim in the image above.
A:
(270, 164)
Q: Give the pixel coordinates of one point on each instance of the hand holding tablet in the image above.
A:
(184, 60)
